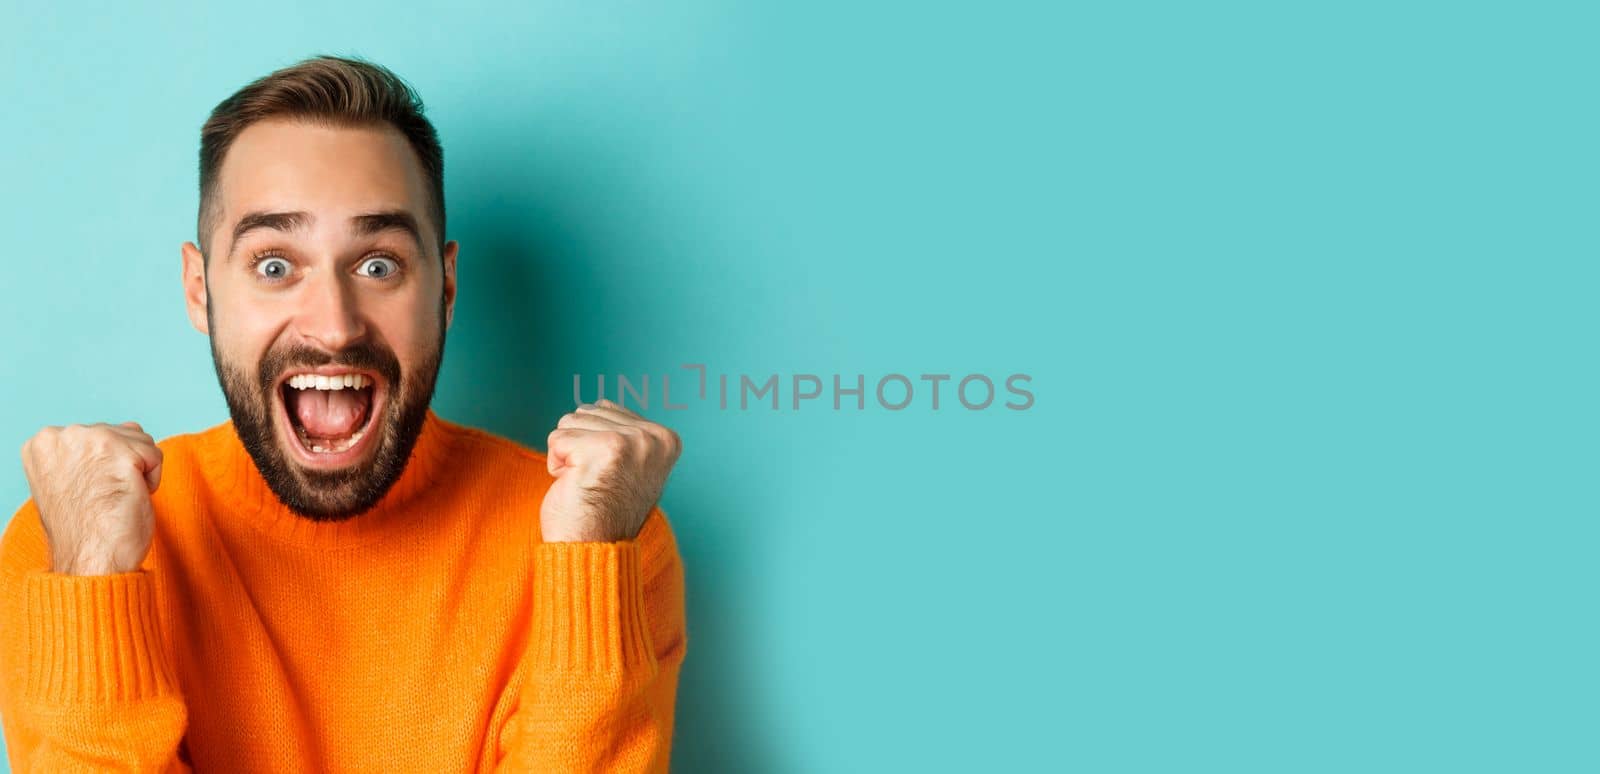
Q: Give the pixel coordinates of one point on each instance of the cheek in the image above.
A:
(245, 334)
(411, 330)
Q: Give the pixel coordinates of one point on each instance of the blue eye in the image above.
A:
(379, 268)
(273, 268)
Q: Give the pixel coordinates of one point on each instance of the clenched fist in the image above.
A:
(92, 485)
(610, 466)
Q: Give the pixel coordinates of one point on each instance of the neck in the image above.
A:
(239, 482)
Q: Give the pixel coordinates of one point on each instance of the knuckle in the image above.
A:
(101, 442)
(665, 436)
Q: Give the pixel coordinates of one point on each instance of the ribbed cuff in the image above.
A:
(588, 608)
(93, 638)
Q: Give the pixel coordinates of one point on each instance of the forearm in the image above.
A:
(86, 682)
(608, 643)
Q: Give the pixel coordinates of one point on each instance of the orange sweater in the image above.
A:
(436, 633)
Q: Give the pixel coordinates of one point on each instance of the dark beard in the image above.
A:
(341, 494)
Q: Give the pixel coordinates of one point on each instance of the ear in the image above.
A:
(450, 250)
(194, 287)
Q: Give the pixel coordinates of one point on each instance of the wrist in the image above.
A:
(582, 536)
(85, 568)
(596, 529)
(90, 564)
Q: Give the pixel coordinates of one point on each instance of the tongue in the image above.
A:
(331, 413)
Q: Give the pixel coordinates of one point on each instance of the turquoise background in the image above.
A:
(1307, 293)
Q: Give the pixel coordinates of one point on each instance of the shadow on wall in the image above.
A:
(538, 301)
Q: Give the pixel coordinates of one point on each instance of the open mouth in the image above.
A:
(328, 413)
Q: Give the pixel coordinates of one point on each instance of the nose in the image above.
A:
(328, 312)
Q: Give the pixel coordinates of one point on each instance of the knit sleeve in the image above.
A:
(608, 640)
(85, 681)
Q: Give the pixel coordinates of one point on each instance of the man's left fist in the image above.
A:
(610, 466)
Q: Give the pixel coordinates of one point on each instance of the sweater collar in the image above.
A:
(231, 468)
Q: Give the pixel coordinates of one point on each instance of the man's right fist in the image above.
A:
(92, 485)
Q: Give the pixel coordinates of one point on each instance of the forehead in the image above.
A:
(330, 172)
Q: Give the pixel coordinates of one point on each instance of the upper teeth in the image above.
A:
(335, 382)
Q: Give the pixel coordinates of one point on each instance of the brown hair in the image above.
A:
(330, 89)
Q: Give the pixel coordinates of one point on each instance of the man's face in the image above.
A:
(326, 301)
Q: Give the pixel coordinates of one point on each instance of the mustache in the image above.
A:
(364, 355)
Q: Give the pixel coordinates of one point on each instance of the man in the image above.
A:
(337, 579)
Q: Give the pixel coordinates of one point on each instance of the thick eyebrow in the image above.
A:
(279, 221)
(363, 225)
(388, 220)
